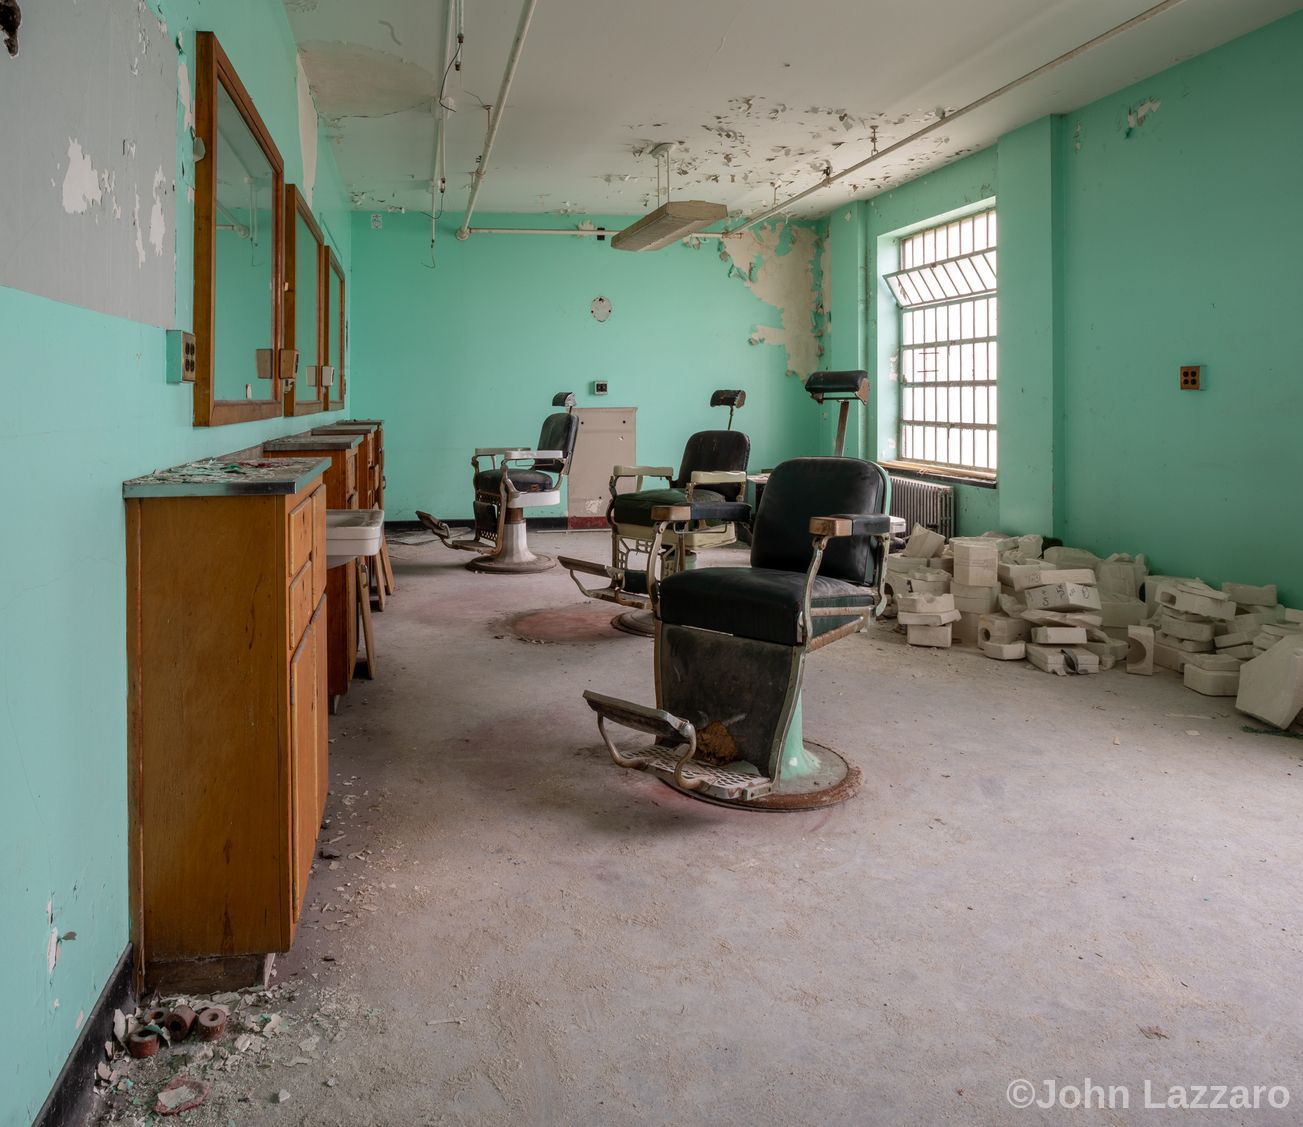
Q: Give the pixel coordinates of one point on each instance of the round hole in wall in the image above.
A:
(601, 308)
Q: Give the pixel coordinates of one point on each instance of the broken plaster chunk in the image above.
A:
(1063, 557)
(1197, 598)
(925, 604)
(1189, 645)
(1140, 650)
(938, 636)
(1271, 686)
(1062, 596)
(1211, 682)
(926, 618)
(1289, 614)
(1024, 580)
(1168, 657)
(1003, 651)
(923, 543)
(999, 629)
(928, 581)
(1078, 659)
(1249, 596)
(982, 599)
(1109, 653)
(1242, 652)
(1192, 628)
(1217, 663)
(1047, 658)
(1120, 612)
(1058, 635)
(1236, 638)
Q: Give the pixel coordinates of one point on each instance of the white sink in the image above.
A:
(351, 533)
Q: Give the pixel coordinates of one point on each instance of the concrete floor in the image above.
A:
(1043, 878)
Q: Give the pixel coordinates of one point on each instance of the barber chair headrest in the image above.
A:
(826, 386)
(564, 399)
(728, 398)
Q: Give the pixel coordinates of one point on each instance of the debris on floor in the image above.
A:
(1067, 611)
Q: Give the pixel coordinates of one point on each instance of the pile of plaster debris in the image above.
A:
(1067, 611)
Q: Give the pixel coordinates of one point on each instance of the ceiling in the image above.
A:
(760, 97)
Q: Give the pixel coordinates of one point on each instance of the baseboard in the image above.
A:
(72, 1098)
(587, 522)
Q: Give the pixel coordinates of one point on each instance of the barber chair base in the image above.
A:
(639, 622)
(811, 776)
(513, 556)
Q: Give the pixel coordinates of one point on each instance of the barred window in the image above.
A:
(946, 290)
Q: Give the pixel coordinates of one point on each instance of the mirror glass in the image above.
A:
(306, 265)
(245, 258)
(335, 331)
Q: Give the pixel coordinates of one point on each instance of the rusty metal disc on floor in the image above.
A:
(581, 622)
(839, 780)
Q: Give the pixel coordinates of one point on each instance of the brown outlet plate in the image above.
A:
(1191, 377)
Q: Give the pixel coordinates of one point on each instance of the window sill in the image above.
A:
(941, 473)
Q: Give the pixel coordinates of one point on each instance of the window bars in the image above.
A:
(946, 290)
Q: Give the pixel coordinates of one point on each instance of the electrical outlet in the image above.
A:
(1191, 377)
(182, 356)
(600, 387)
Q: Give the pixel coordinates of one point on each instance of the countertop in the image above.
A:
(221, 477)
(314, 441)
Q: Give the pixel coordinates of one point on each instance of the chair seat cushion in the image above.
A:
(754, 602)
(635, 508)
(525, 481)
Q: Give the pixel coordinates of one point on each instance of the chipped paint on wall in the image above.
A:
(307, 132)
(1136, 114)
(778, 263)
(81, 183)
(349, 80)
(95, 203)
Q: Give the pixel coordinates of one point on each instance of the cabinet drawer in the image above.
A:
(300, 534)
(350, 472)
(301, 602)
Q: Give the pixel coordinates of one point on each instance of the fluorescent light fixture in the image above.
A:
(668, 223)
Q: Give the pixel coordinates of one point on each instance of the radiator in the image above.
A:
(925, 503)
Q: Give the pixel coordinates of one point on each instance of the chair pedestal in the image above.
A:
(639, 622)
(513, 555)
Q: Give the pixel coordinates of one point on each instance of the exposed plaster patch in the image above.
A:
(349, 80)
(307, 131)
(777, 262)
(157, 222)
(140, 234)
(81, 1020)
(81, 183)
(1136, 116)
(183, 90)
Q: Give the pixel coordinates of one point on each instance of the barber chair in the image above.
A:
(713, 470)
(511, 481)
(732, 642)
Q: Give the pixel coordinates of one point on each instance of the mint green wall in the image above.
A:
(1183, 239)
(86, 406)
(469, 353)
(1127, 250)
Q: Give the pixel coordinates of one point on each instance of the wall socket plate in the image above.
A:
(182, 356)
(1191, 377)
(600, 387)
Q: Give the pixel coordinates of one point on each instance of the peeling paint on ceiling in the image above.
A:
(759, 104)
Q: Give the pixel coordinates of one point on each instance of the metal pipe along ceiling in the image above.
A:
(1044, 68)
(513, 61)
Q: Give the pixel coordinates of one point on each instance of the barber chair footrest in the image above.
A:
(724, 782)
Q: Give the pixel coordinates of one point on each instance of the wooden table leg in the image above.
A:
(377, 577)
(364, 603)
(387, 567)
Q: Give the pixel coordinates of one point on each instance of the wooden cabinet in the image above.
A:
(227, 711)
(371, 458)
(343, 451)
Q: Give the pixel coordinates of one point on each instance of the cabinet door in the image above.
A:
(319, 636)
(306, 715)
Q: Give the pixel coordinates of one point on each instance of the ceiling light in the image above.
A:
(669, 223)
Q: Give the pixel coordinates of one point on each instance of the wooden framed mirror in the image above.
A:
(305, 319)
(239, 257)
(336, 328)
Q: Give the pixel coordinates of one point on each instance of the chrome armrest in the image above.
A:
(718, 477)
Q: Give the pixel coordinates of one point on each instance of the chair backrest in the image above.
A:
(560, 432)
(714, 450)
(819, 487)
